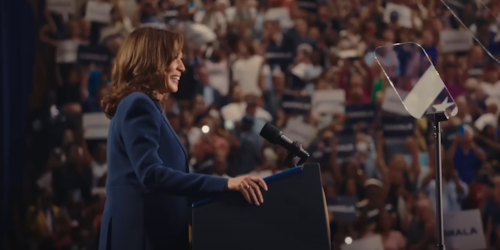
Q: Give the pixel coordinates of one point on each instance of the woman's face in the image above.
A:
(173, 75)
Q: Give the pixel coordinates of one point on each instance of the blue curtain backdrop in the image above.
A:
(17, 45)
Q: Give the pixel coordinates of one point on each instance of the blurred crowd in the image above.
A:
(306, 66)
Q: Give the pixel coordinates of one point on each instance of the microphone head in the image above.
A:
(270, 133)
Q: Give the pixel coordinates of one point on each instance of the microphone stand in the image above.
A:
(435, 119)
(290, 155)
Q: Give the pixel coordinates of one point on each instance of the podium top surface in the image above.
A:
(269, 179)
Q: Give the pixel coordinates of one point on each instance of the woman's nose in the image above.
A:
(181, 67)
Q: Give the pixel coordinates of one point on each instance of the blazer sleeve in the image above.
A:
(141, 133)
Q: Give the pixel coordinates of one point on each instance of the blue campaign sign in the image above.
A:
(346, 146)
(357, 113)
(296, 105)
(320, 154)
(344, 208)
(282, 54)
(398, 126)
(98, 55)
(308, 5)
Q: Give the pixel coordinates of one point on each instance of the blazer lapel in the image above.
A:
(158, 105)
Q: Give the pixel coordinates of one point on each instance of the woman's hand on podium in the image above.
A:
(250, 186)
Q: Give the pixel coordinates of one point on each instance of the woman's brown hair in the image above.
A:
(141, 65)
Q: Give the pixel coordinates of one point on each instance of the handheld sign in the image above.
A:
(398, 126)
(346, 147)
(410, 70)
(328, 101)
(360, 113)
(99, 12)
(464, 230)
(62, 7)
(98, 55)
(321, 151)
(344, 208)
(96, 126)
(295, 104)
(300, 131)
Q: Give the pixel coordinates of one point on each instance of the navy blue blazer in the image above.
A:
(147, 184)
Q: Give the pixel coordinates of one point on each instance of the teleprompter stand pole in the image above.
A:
(435, 119)
(291, 155)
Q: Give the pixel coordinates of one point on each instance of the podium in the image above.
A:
(293, 216)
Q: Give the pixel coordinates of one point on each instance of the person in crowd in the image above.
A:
(99, 166)
(454, 190)
(421, 230)
(211, 96)
(392, 239)
(40, 218)
(466, 155)
(247, 69)
(248, 154)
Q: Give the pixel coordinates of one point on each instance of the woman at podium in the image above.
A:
(148, 181)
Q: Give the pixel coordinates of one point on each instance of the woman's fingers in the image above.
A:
(244, 191)
(251, 187)
(261, 182)
(255, 193)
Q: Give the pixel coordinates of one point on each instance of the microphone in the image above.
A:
(273, 135)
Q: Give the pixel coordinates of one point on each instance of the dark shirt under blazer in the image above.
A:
(147, 183)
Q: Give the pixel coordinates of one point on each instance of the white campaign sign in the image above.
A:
(328, 101)
(455, 41)
(67, 51)
(99, 12)
(370, 243)
(404, 14)
(299, 131)
(61, 6)
(96, 125)
(464, 230)
(280, 14)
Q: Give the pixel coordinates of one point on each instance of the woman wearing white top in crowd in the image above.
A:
(218, 71)
(247, 69)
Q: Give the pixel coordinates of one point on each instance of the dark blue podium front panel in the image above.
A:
(292, 216)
